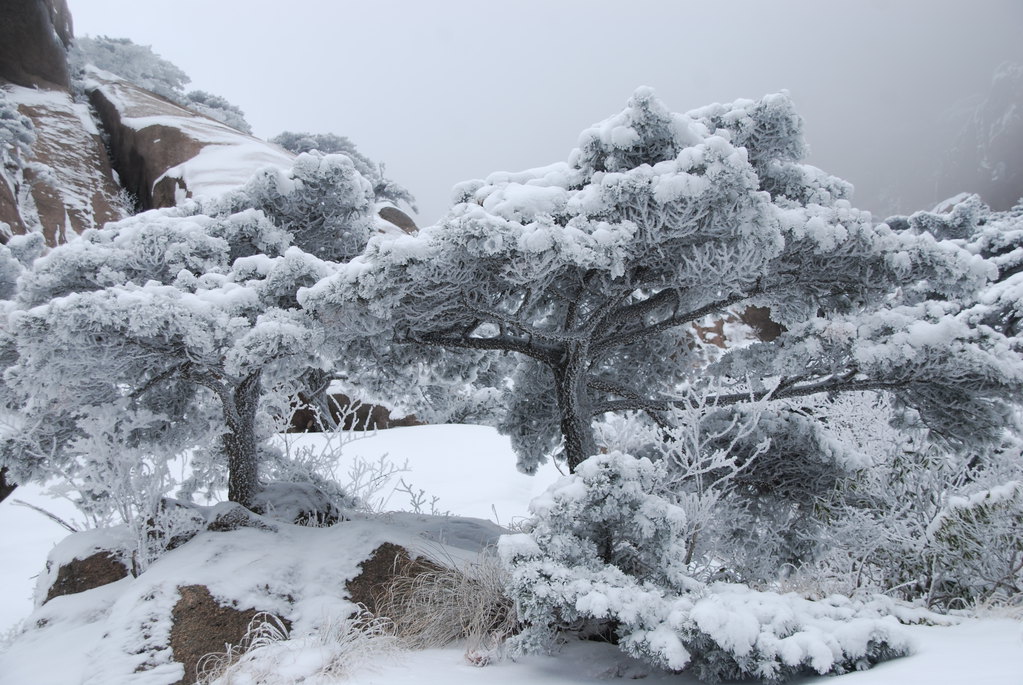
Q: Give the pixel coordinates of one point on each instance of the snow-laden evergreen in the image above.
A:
(595, 270)
(185, 316)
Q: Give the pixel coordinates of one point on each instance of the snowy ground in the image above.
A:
(470, 470)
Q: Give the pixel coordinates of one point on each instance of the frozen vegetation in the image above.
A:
(771, 437)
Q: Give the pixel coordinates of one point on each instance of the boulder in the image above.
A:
(303, 504)
(165, 153)
(387, 562)
(66, 185)
(349, 414)
(759, 319)
(34, 37)
(398, 218)
(79, 575)
(228, 516)
(200, 625)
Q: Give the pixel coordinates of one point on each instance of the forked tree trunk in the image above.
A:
(574, 405)
(239, 442)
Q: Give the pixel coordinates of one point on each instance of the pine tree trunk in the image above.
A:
(6, 486)
(240, 444)
(574, 405)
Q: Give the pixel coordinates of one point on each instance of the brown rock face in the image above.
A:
(85, 574)
(34, 35)
(759, 319)
(387, 562)
(67, 185)
(9, 212)
(399, 219)
(349, 415)
(163, 152)
(201, 626)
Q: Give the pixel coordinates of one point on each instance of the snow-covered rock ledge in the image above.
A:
(122, 632)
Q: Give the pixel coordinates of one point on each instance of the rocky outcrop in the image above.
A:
(388, 561)
(201, 625)
(34, 36)
(399, 218)
(66, 184)
(79, 575)
(165, 153)
(348, 414)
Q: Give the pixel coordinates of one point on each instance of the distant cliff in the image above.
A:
(101, 147)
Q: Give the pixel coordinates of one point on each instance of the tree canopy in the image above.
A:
(595, 270)
(187, 315)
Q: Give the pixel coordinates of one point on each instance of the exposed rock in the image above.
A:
(11, 222)
(79, 575)
(165, 153)
(388, 561)
(759, 319)
(229, 516)
(201, 626)
(398, 218)
(34, 36)
(349, 415)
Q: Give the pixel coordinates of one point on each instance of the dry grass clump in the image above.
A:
(268, 654)
(438, 607)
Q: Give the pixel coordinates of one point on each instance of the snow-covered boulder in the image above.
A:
(84, 561)
(124, 632)
(165, 153)
(303, 504)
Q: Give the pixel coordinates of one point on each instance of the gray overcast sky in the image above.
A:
(447, 90)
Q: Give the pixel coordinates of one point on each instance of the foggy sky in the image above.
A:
(443, 91)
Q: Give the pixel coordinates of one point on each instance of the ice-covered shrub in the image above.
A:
(606, 552)
(324, 203)
(17, 134)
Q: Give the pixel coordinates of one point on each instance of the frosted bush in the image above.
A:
(606, 554)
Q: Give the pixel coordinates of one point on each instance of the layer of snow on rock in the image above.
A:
(228, 157)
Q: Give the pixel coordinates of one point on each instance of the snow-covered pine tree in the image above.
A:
(595, 270)
(331, 143)
(187, 313)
